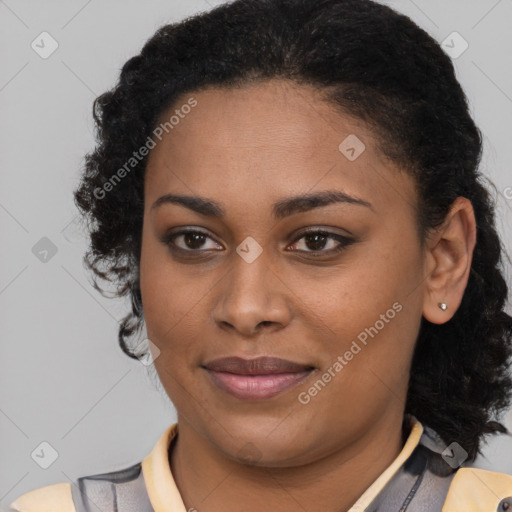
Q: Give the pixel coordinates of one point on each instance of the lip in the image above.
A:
(256, 379)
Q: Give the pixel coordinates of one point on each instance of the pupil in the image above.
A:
(191, 240)
(319, 241)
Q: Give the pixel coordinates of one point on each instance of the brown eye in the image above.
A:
(189, 240)
(193, 240)
(315, 241)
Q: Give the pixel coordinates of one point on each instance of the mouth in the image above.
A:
(256, 379)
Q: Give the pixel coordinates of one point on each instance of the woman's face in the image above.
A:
(253, 284)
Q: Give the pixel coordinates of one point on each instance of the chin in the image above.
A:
(261, 444)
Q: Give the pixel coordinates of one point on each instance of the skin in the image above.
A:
(246, 149)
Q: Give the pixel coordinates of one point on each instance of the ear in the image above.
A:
(448, 261)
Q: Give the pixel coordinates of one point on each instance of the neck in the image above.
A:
(208, 481)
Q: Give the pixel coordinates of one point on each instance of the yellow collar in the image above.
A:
(162, 491)
(412, 441)
(165, 496)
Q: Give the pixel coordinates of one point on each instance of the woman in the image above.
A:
(289, 192)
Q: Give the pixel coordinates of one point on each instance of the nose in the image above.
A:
(252, 297)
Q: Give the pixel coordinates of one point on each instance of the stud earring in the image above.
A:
(443, 306)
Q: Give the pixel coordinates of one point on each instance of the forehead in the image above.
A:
(271, 138)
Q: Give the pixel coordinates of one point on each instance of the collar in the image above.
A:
(160, 484)
(165, 496)
(415, 435)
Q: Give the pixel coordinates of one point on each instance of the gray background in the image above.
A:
(63, 378)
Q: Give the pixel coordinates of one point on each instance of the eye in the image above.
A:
(189, 240)
(316, 241)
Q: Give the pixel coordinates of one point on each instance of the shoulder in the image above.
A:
(467, 489)
(479, 490)
(46, 499)
(123, 489)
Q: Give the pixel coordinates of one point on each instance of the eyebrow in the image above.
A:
(280, 209)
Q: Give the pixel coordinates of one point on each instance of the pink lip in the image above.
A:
(255, 379)
(256, 387)
(263, 365)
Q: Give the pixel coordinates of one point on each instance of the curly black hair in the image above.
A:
(372, 63)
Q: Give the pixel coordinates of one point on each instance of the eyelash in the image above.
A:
(344, 241)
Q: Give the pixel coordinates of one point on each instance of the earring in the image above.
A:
(443, 306)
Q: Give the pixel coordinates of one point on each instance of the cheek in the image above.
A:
(171, 315)
(172, 308)
(369, 287)
(174, 299)
(164, 290)
(163, 296)
(369, 313)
